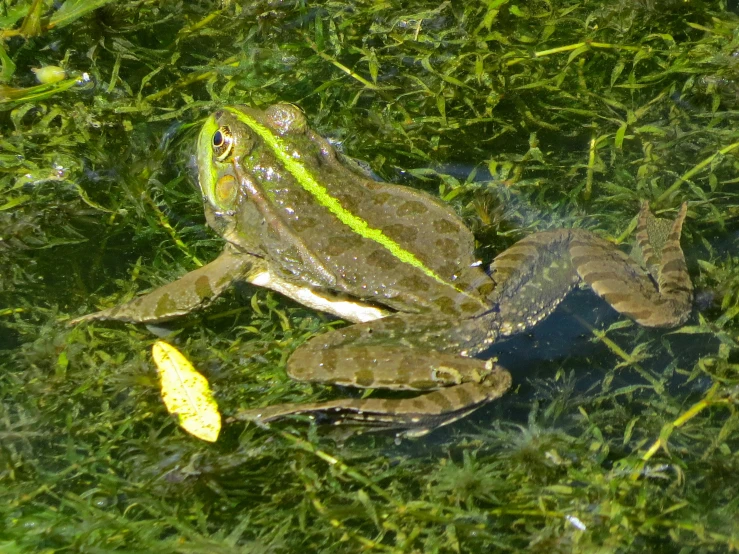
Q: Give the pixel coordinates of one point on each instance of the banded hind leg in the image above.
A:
(400, 352)
(653, 288)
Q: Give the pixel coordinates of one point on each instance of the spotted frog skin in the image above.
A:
(399, 264)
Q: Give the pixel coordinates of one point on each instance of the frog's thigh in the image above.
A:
(383, 367)
(401, 352)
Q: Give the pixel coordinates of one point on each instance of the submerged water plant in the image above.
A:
(522, 116)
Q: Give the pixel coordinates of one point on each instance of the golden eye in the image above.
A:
(222, 143)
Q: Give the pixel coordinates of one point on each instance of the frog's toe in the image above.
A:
(103, 314)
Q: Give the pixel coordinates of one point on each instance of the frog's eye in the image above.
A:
(222, 143)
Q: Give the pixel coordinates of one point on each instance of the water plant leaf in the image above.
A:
(186, 393)
(72, 10)
(10, 97)
(8, 66)
(31, 25)
(11, 14)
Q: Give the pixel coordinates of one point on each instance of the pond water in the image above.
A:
(522, 118)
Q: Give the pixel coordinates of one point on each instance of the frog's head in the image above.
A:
(242, 153)
(237, 142)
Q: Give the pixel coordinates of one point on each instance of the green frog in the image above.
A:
(398, 263)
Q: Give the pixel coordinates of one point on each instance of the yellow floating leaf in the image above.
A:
(186, 393)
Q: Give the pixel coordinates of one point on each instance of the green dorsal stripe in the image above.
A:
(322, 196)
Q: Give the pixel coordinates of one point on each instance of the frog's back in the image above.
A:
(288, 199)
(408, 251)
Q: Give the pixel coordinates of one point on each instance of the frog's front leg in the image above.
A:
(200, 287)
(192, 291)
(399, 352)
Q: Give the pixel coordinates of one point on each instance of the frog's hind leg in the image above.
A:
(532, 277)
(412, 417)
(408, 352)
(537, 272)
(656, 295)
(658, 247)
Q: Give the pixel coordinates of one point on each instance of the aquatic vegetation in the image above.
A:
(523, 116)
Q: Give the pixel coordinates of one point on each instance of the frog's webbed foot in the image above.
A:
(662, 295)
(194, 290)
(658, 249)
(411, 417)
